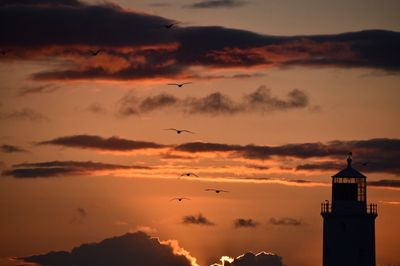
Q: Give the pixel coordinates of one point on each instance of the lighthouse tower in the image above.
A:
(349, 223)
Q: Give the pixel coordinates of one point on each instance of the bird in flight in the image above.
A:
(169, 26)
(179, 131)
(189, 174)
(94, 53)
(180, 199)
(216, 190)
(179, 84)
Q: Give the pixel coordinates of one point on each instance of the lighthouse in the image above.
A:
(348, 221)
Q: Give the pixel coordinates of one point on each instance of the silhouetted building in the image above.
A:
(349, 223)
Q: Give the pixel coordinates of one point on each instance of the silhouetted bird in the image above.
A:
(94, 53)
(189, 174)
(179, 84)
(179, 131)
(180, 199)
(169, 26)
(216, 190)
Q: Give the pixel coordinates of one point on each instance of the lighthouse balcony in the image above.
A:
(326, 207)
(349, 208)
(372, 209)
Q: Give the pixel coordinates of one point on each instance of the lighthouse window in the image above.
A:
(345, 191)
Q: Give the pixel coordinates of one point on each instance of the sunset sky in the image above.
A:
(278, 93)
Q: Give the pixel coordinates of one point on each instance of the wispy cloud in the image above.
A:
(385, 183)
(196, 219)
(62, 168)
(38, 89)
(286, 221)
(11, 148)
(26, 114)
(100, 143)
(244, 223)
(261, 101)
(218, 4)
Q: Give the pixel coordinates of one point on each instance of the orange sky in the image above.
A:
(289, 100)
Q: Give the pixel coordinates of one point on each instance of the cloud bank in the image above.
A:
(126, 250)
(370, 156)
(138, 46)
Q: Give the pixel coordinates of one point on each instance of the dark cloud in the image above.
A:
(46, 88)
(385, 183)
(262, 99)
(370, 156)
(171, 156)
(131, 105)
(100, 143)
(218, 4)
(287, 221)
(11, 148)
(72, 3)
(257, 167)
(62, 168)
(373, 155)
(324, 166)
(26, 114)
(250, 259)
(78, 25)
(304, 150)
(196, 219)
(138, 46)
(244, 223)
(214, 104)
(129, 249)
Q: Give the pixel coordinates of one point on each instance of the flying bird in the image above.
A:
(179, 84)
(179, 131)
(189, 174)
(216, 190)
(180, 199)
(94, 53)
(169, 26)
